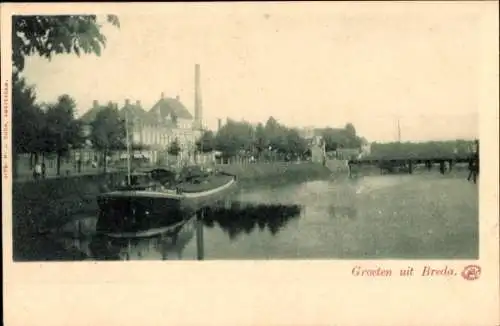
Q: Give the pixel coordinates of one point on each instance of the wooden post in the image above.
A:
(199, 235)
(410, 167)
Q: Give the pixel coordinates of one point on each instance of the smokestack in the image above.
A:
(219, 124)
(127, 102)
(197, 97)
(95, 104)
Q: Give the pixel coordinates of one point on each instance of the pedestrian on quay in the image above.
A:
(37, 171)
(44, 170)
(473, 168)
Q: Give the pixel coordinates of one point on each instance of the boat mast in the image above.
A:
(198, 108)
(128, 147)
(399, 132)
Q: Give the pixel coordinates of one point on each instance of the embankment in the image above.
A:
(40, 204)
(276, 173)
(44, 204)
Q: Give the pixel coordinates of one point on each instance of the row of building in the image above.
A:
(153, 130)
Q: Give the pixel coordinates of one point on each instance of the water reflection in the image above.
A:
(166, 245)
(351, 218)
(170, 242)
(243, 218)
(342, 212)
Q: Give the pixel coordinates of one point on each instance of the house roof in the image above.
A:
(91, 114)
(169, 106)
(161, 113)
(136, 113)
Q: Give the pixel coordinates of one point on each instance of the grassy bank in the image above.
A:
(275, 174)
(44, 204)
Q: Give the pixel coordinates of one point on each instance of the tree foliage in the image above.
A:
(52, 129)
(49, 35)
(350, 130)
(271, 139)
(261, 141)
(234, 137)
(206, 143)
(174, 148)
(61, 130)
(295, 143)
(108, 132)
(28, 118)
(341, 138)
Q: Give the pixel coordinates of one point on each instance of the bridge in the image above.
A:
(389, 163)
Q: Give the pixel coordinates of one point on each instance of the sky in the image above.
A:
(306, 65)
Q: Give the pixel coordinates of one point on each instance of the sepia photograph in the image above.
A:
(250, 132)
(126, 147)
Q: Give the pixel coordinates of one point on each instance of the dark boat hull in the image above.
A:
(140, 211)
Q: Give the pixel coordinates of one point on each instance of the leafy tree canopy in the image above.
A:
(28, 118)
(174, 148)
(62, 130)
(234, 137)
(206, 143)
(108, 130)
(48, 35)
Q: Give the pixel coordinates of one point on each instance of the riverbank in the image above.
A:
(43, 204)
(276, 173)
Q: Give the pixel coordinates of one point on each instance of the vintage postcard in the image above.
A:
(250, 163)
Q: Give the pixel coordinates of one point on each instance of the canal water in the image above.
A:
(348, 218)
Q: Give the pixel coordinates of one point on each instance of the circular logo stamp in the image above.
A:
(471, 272)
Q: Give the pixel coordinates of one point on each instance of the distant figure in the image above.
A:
(104, 187)
(441, 167)
(428, 164)
(349, 168)
(37, 171)
(44, 170)
(473, 167)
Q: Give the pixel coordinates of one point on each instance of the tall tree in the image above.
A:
(49, 35)
(45, 36)
(296, 145)
(206, 143)
(261, 140)
(350, 130)
(28, 120)
(108, 132)
(234, 138)
(62, 131)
